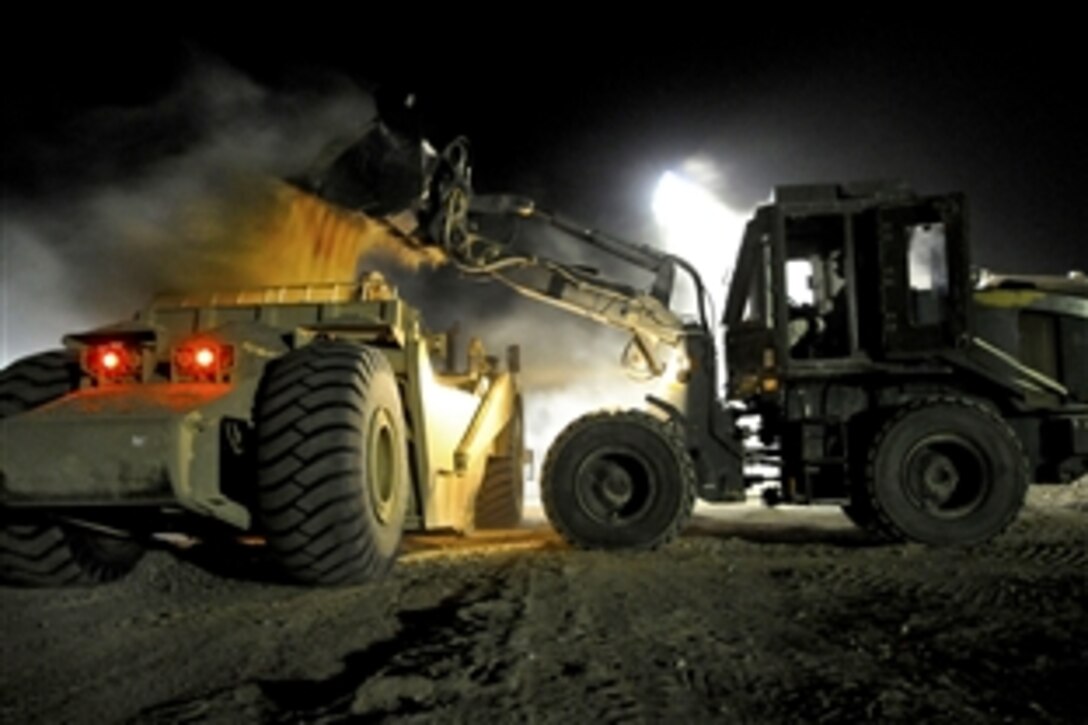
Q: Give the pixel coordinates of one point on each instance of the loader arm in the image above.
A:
(444, 213)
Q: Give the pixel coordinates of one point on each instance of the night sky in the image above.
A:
(586, 120)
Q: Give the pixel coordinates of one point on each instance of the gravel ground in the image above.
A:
(754, 615)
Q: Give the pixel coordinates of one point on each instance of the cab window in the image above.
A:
(927, 273)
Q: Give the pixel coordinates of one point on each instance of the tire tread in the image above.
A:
(670, 433)
(884, 522)
(35, 551)
(309, 500)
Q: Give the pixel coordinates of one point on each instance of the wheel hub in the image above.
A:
(381, 465)
(946, 477)
(940, 479)
(614, 486)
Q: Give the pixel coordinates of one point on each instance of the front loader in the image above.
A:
(883, 376)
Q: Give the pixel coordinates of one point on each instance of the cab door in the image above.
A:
(925, 275)
(750, 340)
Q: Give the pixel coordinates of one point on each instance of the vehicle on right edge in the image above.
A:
(892, 380)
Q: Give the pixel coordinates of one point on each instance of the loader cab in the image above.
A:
(836, 279)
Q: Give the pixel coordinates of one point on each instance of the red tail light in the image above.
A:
(112, 362)
(202, 361)
(205, 357)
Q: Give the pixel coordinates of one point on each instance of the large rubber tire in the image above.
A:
(500, 502)
(34, 550)
(946, 471)
(333, 478)
(37, 552)
(861, 513)
(618, 481)
(860, 509)
(36, 380)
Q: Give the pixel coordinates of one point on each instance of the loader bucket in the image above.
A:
(383, 173)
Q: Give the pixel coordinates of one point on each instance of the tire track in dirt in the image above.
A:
(892, 620)
(439, 652)
(1063, 554)
(598, 650)
(560, 633)
(930, 575)
(891, 632)
(758, 626)
(759, 657)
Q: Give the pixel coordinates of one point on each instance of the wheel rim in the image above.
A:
(614, 486)
(946, 476)
(381, 467)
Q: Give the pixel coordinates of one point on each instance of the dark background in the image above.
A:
(587, 118)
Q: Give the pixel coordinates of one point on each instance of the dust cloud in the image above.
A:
(176, 195)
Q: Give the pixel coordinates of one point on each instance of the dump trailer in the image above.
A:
(322, 420)
(881, 374)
